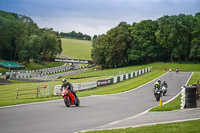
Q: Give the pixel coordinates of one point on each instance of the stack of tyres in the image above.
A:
(190, 99)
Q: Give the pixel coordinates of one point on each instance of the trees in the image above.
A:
(143, 47)
(167, 38)
(110, 50)
(195, 43)
(174, 34)
(22, 40)
(75, 35)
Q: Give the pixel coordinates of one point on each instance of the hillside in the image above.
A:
(76, 49)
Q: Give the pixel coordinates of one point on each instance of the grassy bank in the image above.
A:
(76, 49)
(178, 127)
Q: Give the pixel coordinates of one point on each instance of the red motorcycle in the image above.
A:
(69, 98)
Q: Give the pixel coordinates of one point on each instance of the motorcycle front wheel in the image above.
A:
(157, 97)
(77, 102)
(67, 102)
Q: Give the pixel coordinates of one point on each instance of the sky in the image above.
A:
(96, 17)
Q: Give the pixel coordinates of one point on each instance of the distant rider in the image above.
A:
(176, 69)
(68, 86)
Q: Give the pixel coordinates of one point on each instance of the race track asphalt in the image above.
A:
(94, 111)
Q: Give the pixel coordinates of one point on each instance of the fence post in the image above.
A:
(198, 89)
(17, 94)
(37, 92)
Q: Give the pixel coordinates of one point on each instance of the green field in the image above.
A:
(76, 49)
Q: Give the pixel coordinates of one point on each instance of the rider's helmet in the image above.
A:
(64, 81)
(156, 83)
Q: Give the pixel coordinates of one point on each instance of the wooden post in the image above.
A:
(37, 92)
(17, 94)
(198, 89)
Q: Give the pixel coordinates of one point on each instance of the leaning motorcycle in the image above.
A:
(69, 98)
(164, 90)
(157, 93)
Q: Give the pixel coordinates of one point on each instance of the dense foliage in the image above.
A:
(169, 38)
(75, 35)
(22, 40)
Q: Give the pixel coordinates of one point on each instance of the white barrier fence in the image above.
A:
(94, 84)
(183, 97)
(77, 87)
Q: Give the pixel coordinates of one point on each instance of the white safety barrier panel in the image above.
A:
(127, 76)
(121, 78)
(76, 86)
(183, 97)
(136, 74)
(57, 90)
(139, 72)
(88, 85)
(115, 80)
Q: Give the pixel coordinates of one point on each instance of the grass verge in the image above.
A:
(178, 127)
(173, 105)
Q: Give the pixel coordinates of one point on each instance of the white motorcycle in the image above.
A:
(164, 90)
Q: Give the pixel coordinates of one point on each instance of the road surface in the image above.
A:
(94, 111)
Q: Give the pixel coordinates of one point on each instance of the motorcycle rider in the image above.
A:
(165, 84)
(176, 69)
(68, 86)
(157, 85)
(159, 81)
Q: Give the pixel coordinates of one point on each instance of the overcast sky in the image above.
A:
(94, 17)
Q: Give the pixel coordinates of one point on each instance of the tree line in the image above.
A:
(169, 38)
(75, 35)
(22, 40)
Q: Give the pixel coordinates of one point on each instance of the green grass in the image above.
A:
(76, 49)
(195, 77)
(178, 127)
(182, 67)
(173, 105)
